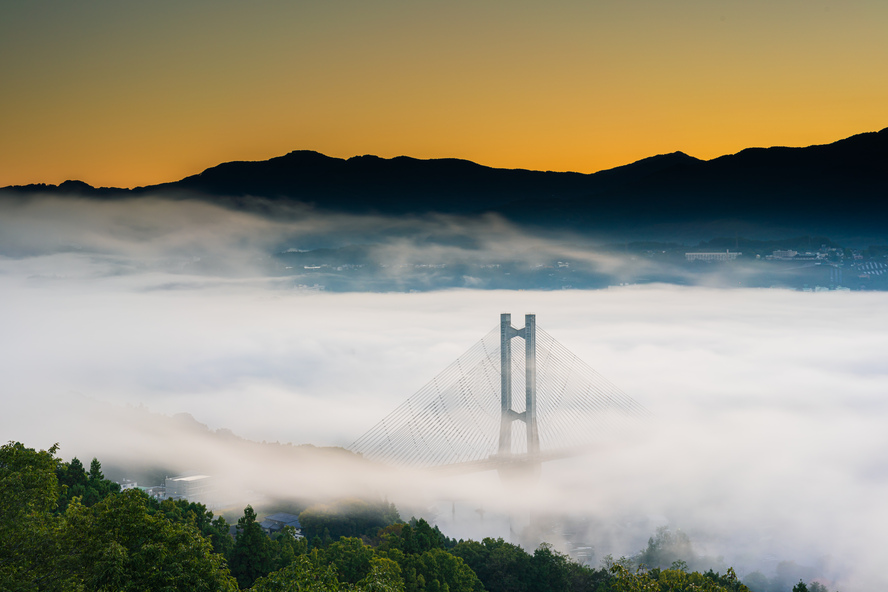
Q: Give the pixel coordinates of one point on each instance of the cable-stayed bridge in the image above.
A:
(491, 409)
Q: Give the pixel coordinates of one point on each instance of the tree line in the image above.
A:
(63, 528)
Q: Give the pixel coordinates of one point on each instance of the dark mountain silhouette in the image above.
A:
(72, 188)
(839, 187)
(371, 184)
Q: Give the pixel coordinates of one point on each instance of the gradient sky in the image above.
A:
(135, 93)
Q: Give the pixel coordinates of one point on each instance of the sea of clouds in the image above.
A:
(767, 441)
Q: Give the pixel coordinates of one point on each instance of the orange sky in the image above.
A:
(135, 93)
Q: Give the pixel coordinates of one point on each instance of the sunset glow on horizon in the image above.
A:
(128, 94)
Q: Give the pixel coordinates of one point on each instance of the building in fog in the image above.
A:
(718, 256)
(127, 484)
(276, 523)
(194, 488)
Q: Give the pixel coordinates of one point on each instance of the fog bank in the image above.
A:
(767, 440)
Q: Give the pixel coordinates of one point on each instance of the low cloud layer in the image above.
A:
(767, 440)
(167, 244)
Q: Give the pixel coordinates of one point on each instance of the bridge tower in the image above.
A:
(525, 465)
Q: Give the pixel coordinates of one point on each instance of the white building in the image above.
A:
(127, 484)
(194, 488)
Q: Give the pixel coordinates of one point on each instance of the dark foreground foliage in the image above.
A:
(63, 529)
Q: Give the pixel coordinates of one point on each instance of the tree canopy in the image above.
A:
(63, 528)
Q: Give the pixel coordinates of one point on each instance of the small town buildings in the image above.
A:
(276, 523)
(718, 256)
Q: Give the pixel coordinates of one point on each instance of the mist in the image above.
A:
(766, 443)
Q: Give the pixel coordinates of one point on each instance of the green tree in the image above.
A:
(390, 537)
(384, 576)
(29, 529)
(184, 511)
(95, 471)
(442, 571)
(419, 536)
(90, 487)
(73, 480)
(286, 547)
(117, 545)
(582, 578)
(550, 572)
(729, 580)
(435, 570)
(253, 555)
(305, 576)
(673, 580)
(300, 576)
(347, 518)
(351, 557)
(501, 566)
(73, 473)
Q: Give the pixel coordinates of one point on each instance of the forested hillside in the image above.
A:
(63, 528)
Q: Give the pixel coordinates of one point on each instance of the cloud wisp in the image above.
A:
(163, 243)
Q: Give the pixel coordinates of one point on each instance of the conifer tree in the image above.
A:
(253, 555)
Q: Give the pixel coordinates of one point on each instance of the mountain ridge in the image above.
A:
(810, 186)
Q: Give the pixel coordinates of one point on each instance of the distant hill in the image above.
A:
(840, 187)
